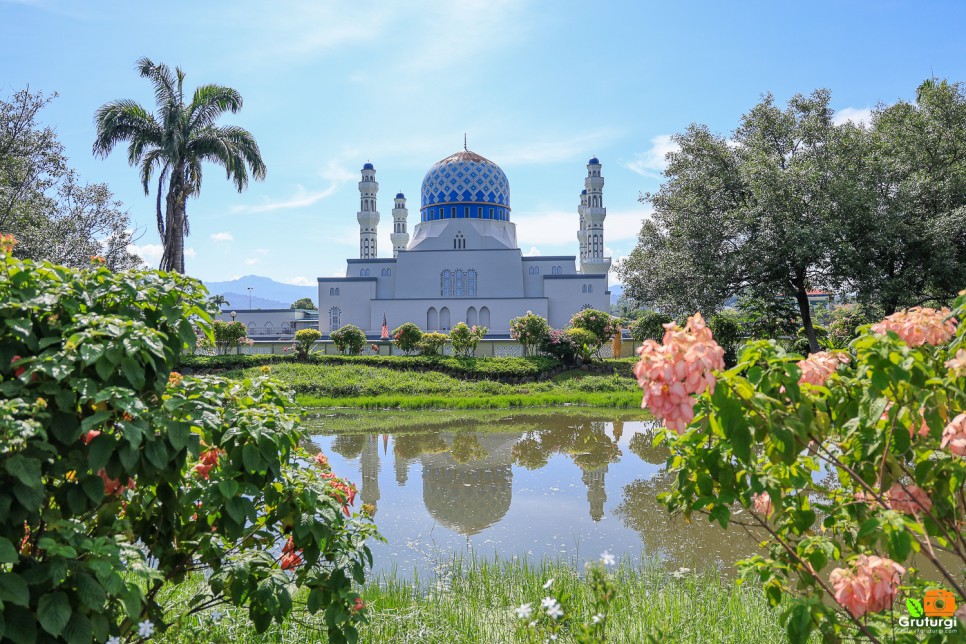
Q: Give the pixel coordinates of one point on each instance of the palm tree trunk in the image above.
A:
(173, 257)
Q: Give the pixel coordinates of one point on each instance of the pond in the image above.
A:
(566, 485)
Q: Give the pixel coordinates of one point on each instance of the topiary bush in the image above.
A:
(599, 323)
(349, 339)
(650, 326)
(109, 460)
(431, 344)
(407, 336)
(465, 339)
(530, 330)
(228, 336)
(559, 345)
(304, 339)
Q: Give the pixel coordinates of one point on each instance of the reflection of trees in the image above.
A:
(349, 445)
(466, 448)
(684, 544)
(413, 445)
(586, 443)
(643, 446)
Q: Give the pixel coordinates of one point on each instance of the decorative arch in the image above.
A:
(432, 319)
(472, 316)
(269, 329)
(335, 319)
(485, 316)
(444, 318)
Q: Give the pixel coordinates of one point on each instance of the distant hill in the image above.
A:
(616, 290)
(266, 293)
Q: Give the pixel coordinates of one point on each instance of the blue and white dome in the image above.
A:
(465, 185)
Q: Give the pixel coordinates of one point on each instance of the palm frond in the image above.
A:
(122, 121)
(209, 102)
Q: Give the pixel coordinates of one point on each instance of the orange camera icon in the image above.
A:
(939, 603)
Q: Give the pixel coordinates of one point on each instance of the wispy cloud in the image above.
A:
(653, 161)
(861, 116)
(222, 237)
(558, 227)
(251, 261)
(150, 253)
(554, 149)
(190, 252)
(533, 252)
(300, 199)
(301, 281)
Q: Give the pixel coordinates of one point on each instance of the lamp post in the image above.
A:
(232, 314)
(250, 289)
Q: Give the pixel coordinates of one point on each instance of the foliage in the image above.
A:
(304, 339)
(559, 345)
(599, 323)
(766, 318)
(407, 337)
(585, 342)
(229, 335)
(845, 322)
(801, 342)
(219, 300)
(530, 330)
(465, 339)
(349, 339)
(108, 459)
(650, 326)
(728, 333)
(174, 142)
(43, 203)
(431, 344)
(886, 421)
(304, 303)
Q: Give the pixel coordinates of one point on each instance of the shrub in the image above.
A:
(431, 344)
(466, 339)
(597, 322)
(109, 459)
(844, 325)
(886, 421)
(304, 339)
(559, 345)
(727, 332)
(585, 342)
(650, 326)
(229, 335)
(349, 339)
(529, 330)
(407, 337)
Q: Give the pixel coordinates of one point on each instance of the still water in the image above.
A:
(565, 486)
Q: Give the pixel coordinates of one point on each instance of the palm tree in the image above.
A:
(219, 301)
(175, 141)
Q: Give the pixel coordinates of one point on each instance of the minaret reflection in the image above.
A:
(369, 464)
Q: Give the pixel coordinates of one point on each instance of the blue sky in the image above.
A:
(538, 87)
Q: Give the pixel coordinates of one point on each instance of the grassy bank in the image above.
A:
(473, 602)
(374, 387)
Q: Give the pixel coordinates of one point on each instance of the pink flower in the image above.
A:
(910, 499)
(322, 461)
(762, 503)
(89, 436)
(869, 587)
(955, 435)
(672, 372)
(917, 326)
(922, 430)
(817, 367)
(957, 364)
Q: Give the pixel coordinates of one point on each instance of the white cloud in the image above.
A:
(251, 261)
(533, 252)
(301, 281)
(222, 237)
(554, 149)
(861, 116)
(652, 162)
(150, 253)
(300, 199)
(558, 227)
(336, 173)
(190, 252)
(261, 251)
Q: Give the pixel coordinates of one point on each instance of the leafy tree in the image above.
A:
(465, 339)
(229, 335)
(767, 318)
(304, 339)
(120, 477)
(174, 142)
(530, 330)
(727, 331)
(650, 326)
(584, 342)
(407, 337)
(431, 344)
(42, 201)
(305, 303)
(757, 214)
(599, 323)
(349, 339)
(219, 300)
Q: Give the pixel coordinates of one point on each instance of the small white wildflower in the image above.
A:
(547, 602)
(607, 558)
(680, 573)
(524, 611)
(597, 619)
(548, 584)
(217, 615)
(145, 629)
(114, 640)
(556, 610)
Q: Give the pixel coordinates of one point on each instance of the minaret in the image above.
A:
(595, 213)
(400, 236)
(368, 215)
(582, 233)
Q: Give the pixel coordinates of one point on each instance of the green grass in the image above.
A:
(371, 387)
(472, 601)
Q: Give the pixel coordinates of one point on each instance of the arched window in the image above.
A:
(251, 328)
(268, 328)
(485, 316)
(362, 272)
(471, 316)
(460, 282)
(559, 270)
(590, 288)
(335, 318)
(583, 288)
(444, 319)
(471, 283)
(459, 242)
(331, 291)
(336, 290)
(388, 272)
(445, 283)
(432, 319)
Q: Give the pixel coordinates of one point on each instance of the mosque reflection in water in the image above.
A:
(563, 469)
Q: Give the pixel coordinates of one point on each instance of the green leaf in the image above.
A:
(799, 625)
(27, 470)
(13, 589)
(90, 592)
(53, 612)
(914, 607)
(315, 600)
(252, 458)
(8, 554)
(156, 453)
(20, 625)
(133, 372)
(20, 326)
(79, 630)
(228, 488)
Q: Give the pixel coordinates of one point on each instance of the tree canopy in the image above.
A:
(43, 203)
(304, 303)
(792, 202)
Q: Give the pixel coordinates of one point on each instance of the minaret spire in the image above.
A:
(594, 261)
(368, 216)
(400, 236)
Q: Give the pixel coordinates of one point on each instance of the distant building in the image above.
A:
(462, 263)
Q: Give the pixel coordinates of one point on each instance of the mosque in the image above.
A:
(462, 263)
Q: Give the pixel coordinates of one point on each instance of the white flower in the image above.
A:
(114, 640)
(217, 615)
(547, 602)
(523, 611)
(548, 584)
(556, 610)
(145, 629)
(680, 573)
(607, 558)
(597, 619)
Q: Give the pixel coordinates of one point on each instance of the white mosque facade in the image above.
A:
(462, 263)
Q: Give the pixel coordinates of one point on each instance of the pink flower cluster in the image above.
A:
(817, 367)
(957, 364)
(923, 429)
(762, 503)
(910, 499)
(918, 326)
(869, 587)
(954, 435)
(671, 372)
